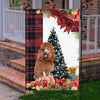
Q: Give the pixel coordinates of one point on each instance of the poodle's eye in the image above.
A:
(48, 48)
(42, 49)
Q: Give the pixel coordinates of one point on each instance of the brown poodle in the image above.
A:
(44, 63)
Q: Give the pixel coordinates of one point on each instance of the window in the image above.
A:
(72, 4)
(66, 4)
(37, 4)
(99, 34)
(99, 25)
(76, 4)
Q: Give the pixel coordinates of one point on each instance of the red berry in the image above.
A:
(71, 85)
(47, 11)
(64, 89)
(75, 19)
(58, 22)
(53, 85)
(53, 15)
(44, 83)
(47, 89)
(48, 16)
(76, 81)
(64, 83)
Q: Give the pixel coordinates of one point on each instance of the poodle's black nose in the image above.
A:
(45, 53)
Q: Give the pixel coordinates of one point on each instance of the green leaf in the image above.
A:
(67, 11)
(49, 14)
(49, 86)
(52, 89)
(43, 88)
(16, 3)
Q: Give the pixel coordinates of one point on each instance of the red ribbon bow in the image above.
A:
(64, 21)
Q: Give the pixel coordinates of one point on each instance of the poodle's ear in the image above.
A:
(53, 53)
(39, 54)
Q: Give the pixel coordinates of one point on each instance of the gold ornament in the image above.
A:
(69, 80)
(69, 72)
(37, 88)
(38, 11)
(74, 11)
(74, 88)
(27, 85)
(33, 87)
(41, 86)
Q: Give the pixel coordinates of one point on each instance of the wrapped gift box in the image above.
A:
(72, 70)
(74, 77)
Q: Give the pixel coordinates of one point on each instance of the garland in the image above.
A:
(65, 18)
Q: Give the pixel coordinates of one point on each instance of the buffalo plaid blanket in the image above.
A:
(34, 37)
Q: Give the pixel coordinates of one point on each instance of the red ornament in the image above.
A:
(45, 85)
(44, 82)
(37, 83)
(61, 82)
(77, 86)
(64, 83)
(53, 85)
(75, 19)
(71, 85)
(76, 82)
(58, 81)
(72, 16)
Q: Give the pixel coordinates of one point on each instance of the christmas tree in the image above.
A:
(60, 69)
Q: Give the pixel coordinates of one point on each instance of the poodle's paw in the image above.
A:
(52, 79)
(46, 78)
(38, 79)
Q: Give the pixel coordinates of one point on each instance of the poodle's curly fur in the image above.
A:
(45, 59)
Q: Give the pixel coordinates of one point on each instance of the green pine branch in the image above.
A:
(17, 3)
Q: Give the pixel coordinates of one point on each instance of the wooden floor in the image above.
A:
(91, 56)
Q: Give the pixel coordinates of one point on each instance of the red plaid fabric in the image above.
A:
(34, 37)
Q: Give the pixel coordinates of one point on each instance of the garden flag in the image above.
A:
(52, 49)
